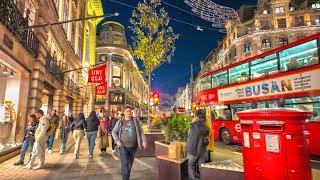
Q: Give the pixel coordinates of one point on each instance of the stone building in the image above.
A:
(37, 64)
(268, 25)
(126, 83)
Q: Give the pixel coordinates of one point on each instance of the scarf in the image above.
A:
(104, 125)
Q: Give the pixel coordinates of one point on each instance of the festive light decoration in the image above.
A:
(212, 12)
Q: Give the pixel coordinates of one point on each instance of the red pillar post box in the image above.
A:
(274, 144)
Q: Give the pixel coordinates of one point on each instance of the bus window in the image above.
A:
(220, 79)
(205, 83)
(239, 107)
(305, 103)
(305, 54)
(239, 73)
(265, 66)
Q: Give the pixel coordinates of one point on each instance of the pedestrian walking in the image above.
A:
(92, 129)
(41, 136)
(197, 142)
(78, 128)
(112, 122)
(53, 125)
(70, 119)
(128, 136)
(103, 134)
(29, 138)
(64, 129)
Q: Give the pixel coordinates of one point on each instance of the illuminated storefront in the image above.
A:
(14, 91)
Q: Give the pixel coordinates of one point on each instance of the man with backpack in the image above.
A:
(40, 140)
(53, 125)
(128, 136)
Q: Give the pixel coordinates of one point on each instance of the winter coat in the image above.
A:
(78, 124)
(92, 122)
(30, 131)
(197, 141)
(41, 131)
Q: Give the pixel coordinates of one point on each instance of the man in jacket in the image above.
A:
(40, 140)
(128, 136)
(54, 123)
(197, 142)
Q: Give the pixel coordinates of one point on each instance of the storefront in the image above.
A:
(14, 93)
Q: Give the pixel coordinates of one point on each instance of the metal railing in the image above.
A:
(14, 21)
(54, 68)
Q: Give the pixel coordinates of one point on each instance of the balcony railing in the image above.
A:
(72, 86)
(14, 21)
(54, 68)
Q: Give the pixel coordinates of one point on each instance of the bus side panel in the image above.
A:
(314, 137)
(231, 126)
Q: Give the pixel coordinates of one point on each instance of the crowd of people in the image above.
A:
(42, 130)
(127, 137)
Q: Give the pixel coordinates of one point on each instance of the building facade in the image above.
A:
(125, 82)
(270, 24)
(38, 65)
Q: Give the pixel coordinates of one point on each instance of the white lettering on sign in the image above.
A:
(246, 139)
(272, 143)
(256, 135)
(282, 85)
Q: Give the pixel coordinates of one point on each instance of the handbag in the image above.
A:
(58, 134)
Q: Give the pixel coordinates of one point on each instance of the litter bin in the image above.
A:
(274, 144)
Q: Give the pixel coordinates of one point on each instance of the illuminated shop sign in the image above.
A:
(298, 82)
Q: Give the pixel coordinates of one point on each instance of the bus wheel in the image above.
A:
(225, 136)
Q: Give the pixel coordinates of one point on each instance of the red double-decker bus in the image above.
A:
(288, 76)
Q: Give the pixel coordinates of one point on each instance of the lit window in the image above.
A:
(279, 9)
(315, 6)
(265, 43)
(317, 20)
(292, 8)
(282, 23)
(265, 12)
(247, 47)
(65, 15)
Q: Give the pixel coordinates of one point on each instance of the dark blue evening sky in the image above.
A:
(192, 46)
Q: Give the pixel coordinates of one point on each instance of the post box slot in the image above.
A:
(271, 127)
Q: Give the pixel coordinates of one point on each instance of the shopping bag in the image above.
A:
(175, 150)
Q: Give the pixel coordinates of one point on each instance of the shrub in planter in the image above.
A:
(177, 128)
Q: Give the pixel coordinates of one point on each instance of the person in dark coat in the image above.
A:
(28, 138)
(112, 123)
(93, 123)
(197, 142)
(78, 128)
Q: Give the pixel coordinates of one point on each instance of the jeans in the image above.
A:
(25, 145)
(127, 158)
(192, 161)
(63, 143)
(91, 140)
(50, 141)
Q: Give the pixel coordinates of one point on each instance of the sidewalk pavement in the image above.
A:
(64, 166)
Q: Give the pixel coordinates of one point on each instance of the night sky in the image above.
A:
(192, 46)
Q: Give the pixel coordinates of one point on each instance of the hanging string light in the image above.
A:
(212, 12)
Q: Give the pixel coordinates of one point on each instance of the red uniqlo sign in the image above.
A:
(97, 74)
(101, 89)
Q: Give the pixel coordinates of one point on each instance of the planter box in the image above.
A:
(161, 148)
(150, 150)
(172, 169)
(221, 171)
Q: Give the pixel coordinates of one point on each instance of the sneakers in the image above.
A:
(28, 166)
(76, 156)
(50, 151)
(90, 156)
(18, 163)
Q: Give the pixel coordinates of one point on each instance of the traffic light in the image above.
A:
(155, 96)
